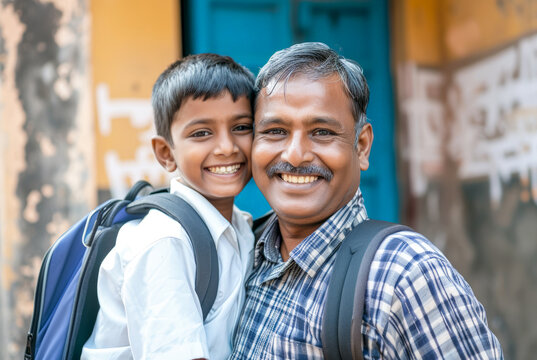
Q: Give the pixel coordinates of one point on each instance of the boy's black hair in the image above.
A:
(198, 76)
(317, 60)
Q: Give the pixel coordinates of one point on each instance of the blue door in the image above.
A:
(252, 30)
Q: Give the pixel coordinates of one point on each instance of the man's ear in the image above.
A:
(163, 153)
(365, 141)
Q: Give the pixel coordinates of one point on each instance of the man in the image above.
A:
(311, 141)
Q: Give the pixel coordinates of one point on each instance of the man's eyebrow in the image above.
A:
(325, 121)
(270, 121)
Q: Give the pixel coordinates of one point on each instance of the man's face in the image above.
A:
(304, 159)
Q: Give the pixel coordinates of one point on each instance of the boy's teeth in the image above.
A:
(299, 179)
(225, 169)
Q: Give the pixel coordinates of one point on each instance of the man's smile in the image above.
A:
(298, 179)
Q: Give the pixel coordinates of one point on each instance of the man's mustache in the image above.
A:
(285, 167)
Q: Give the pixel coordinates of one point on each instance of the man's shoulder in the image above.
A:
(408, 257)
(408, 244)
(407, 254)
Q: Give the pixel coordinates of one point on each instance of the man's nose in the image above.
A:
(298, 150)
(226, 145)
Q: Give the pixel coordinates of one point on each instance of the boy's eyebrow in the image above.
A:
(198, 122)
(243, 115)
(205, 121)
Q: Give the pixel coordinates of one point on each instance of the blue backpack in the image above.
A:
(66, 303)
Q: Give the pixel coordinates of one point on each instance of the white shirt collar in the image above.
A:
(216, 223)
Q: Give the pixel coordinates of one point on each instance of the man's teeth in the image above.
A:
(294, 179)
(224, 170)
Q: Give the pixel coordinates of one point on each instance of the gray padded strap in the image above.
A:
(341, 326)
(200, 237)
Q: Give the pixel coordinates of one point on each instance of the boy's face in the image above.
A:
(212, 141)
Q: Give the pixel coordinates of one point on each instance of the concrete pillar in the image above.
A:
(46, 145)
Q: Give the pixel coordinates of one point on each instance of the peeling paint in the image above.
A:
(57, 226)
(46, 146)
(47, 190)
(63, 89)
(13, 151)
(30, 213)
(44, 85)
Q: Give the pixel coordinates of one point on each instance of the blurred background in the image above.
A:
(453, 107)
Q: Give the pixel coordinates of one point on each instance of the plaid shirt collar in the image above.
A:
(315, 249)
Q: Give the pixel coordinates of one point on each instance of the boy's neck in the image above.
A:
(224, 206)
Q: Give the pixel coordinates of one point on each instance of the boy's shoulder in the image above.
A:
(245, 216)
(136, 236)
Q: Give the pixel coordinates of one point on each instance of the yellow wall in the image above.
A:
(433, 32)
(417, 28)
(132, 42)
(472, 27)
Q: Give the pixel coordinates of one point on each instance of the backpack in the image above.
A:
(345, 298)
(66, 303)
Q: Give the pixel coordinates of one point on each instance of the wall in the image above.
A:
(129, 51)
(467, 98)
(75, 84)
(46, 145)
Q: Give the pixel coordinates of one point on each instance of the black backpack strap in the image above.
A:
(200, 237)
(342, 321)
(141, 187)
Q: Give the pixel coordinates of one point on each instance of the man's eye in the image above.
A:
(200, 133)
(323, 132)
(275, 131)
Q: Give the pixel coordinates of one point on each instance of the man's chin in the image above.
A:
(299, 213)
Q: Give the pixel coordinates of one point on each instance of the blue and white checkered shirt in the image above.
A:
(417, 305)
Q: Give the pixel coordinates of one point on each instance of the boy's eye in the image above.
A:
(200, 133)
(243, 127)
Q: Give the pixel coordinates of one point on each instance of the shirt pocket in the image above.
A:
(284, 348)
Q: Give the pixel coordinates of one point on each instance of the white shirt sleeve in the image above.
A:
(164, 317)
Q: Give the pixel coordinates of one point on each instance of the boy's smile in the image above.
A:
(224, 169)
(211, 147)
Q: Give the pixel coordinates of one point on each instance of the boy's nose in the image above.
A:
(226, 146)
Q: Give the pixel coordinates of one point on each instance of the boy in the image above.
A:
(149, 309)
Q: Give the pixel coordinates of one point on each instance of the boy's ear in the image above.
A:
(365, 141)
(163, 153)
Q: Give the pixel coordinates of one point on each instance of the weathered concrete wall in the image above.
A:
(47, 146)
(467, 98)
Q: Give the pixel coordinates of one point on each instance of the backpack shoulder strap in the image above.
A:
(342, 320)
(200, 237)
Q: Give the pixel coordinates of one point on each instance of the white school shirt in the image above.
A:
(146, 288)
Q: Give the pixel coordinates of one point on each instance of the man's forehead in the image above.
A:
(280, 83)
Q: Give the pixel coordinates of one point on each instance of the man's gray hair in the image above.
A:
(316, 61)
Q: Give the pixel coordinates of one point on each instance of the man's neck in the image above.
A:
(292, 235)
